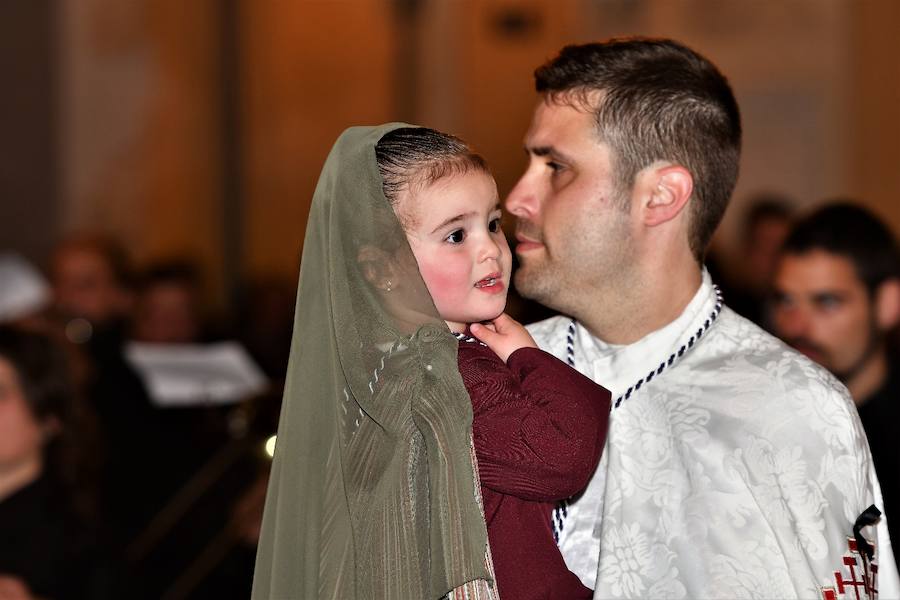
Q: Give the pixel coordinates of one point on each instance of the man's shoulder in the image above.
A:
(769, 392)
(741, 346)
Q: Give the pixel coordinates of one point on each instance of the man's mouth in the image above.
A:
(811, 350)
(527, 242)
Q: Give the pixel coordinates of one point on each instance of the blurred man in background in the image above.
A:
(91, 278)
(767, 222)
(167, 308)
(837, 299)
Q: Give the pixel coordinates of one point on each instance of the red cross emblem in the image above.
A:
(857, 580)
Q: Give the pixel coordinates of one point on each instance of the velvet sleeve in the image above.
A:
(539, 425)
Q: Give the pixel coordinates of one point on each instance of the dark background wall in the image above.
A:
(29, 126)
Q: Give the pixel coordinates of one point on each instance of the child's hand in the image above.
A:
(503, 335)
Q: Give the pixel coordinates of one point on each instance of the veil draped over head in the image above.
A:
(372, 493)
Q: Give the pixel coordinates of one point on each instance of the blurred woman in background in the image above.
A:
(49, 546)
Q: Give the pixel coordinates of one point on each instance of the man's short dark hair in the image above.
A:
(659, 101)
(850, 231)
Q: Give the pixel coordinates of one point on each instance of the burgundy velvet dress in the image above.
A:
(539, 428)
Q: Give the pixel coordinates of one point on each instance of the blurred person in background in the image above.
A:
(91, 277)
(837, 300)
(49, 541)
(24, 293)
(167, 307)
(265, 323)
(767, 221)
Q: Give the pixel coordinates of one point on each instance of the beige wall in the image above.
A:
(140, 126)
(874, 111)
(308, 70)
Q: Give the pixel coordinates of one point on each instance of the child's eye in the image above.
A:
(494, 225)
(456, 236)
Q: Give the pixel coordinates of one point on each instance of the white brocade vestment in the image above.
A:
(737, 473)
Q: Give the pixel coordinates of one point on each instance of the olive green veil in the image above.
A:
(373, 492)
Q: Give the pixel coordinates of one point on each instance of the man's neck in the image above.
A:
(869, 379)
(650, 303)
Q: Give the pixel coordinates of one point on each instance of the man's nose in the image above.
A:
(792, 322)
(522, 200)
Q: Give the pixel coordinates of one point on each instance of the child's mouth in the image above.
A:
(489, 281)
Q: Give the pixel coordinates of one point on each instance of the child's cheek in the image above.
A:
(445, 281)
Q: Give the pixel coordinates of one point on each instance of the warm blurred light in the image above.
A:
(270, 446)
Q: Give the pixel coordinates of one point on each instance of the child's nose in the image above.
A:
(490, 249)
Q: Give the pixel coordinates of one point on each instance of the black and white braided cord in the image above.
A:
(562, 507)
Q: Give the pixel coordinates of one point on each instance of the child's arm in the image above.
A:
(539, 425)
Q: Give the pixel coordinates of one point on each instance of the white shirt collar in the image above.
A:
(617, 367)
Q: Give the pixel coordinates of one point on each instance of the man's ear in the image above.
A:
(665, 191)
(887, 304)
(376, 267)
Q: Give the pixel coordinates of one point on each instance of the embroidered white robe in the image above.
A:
(736, 473)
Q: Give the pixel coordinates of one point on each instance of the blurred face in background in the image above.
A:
(22, 435)
(825, 311)
(761, 248)
(85, 285)
(167, 314)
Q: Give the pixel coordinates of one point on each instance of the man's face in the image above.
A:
(761, 250)
(85, 285)
(824, 310)
(167, 314)
(573, 227)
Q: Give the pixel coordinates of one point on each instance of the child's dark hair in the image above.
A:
(411, 156)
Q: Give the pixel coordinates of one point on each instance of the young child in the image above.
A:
(374, 492)
(539, 425)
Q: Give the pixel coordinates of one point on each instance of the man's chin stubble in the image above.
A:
(529, 285)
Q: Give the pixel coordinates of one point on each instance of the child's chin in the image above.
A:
(493, 315)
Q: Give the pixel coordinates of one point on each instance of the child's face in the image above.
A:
(453, 228)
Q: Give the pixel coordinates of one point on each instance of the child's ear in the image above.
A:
(376, 267)
(667, 191)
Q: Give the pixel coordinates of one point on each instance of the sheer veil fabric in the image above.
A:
(373, 492)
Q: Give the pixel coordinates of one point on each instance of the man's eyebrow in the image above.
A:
(820, 295)
(548, 151)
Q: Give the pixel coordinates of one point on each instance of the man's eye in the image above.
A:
(554, 166)
(494, 225)
(828, 302)
(781, 300)
(456, 237)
